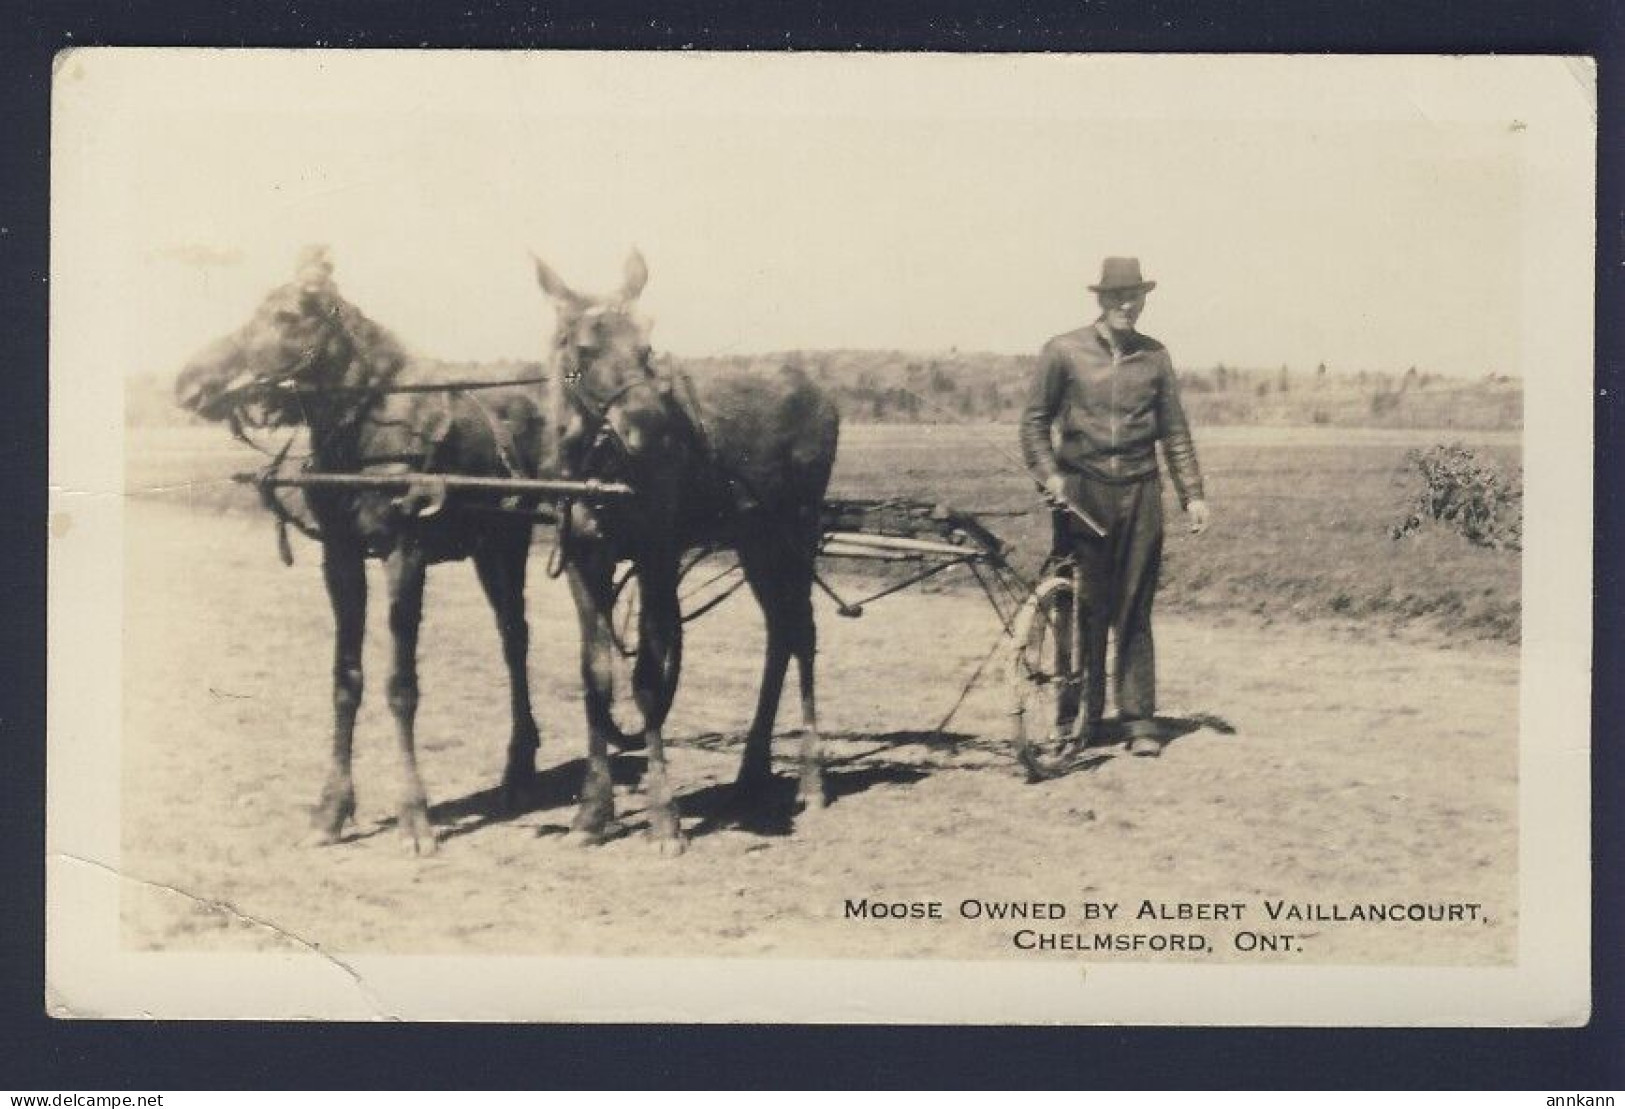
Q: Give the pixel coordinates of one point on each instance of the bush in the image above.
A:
(1481, 504)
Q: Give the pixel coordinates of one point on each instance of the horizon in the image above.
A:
(1332, 371)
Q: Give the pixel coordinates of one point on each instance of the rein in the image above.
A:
(241, 418)
(286, 384)
(600, 410)
(603, 434)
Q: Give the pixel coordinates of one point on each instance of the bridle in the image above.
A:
(600, 432)
(288, 383)
(600, 429)
(603, 432)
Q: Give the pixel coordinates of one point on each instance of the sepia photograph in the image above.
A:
(863, 538)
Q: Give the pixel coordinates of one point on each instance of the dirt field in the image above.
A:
(1341, 761)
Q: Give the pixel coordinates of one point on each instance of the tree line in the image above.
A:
(974, 387)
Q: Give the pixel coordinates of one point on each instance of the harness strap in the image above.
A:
(238, 421)
(500, 434)
(284, 518)
(688, 401)
(561, 541)
(741, 495)
(604, 431)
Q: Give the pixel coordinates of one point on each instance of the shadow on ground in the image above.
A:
(1051, 760)
(773, 810)
(553, 788)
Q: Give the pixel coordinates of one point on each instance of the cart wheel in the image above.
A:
(1044, 679)
(623, 623)
(624, 613)
(623, 707)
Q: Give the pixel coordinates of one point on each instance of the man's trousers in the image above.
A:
(1119, 576)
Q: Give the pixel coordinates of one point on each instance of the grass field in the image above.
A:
(1301, 516)
(1343, 758)
(1301, 522)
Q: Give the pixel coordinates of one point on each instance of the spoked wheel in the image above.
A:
(623, 622)
(1047, 680)
(716, 586)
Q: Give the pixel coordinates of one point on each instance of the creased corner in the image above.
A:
(59, 1006)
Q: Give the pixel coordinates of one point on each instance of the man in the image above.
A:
(1109, 394)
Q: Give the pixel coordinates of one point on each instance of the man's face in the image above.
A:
(1122, 309)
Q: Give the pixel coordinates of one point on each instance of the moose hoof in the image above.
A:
(595, 815)
(417, 834)
(811, 798)
(319, 837)
(332, 812)
(665, 831)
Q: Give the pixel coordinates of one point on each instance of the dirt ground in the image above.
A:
(1353, 766)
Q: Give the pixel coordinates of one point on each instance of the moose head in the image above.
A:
(303, 334)
(599, 357)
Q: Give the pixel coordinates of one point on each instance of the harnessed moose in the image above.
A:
(636, 468)
(308, 357)
(745, 467)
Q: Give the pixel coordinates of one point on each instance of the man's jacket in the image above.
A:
(1108, 409)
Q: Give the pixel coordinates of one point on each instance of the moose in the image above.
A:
(744, 466)
(309, 357)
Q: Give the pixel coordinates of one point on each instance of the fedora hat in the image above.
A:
(1122, 275)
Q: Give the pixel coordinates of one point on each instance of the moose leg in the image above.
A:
(501, 567)
(407, 572)
(756, 768)
(767, 582)
(654, 681)
(590, 573)
(804, 645)
(796, 613)
(344, 571)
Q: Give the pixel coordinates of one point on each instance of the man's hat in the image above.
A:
(1122, 275)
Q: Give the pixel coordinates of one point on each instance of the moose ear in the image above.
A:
(552, 284)
(637, 276)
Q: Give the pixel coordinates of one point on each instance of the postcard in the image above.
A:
(867, 538)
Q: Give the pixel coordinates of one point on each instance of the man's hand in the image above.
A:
(1198, 513)
(1055, 488)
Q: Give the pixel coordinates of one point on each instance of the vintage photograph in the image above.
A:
(879, 538)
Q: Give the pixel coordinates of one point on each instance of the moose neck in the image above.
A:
(357, 364)
(339, 415)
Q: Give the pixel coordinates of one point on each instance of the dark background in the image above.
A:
(41, 1055)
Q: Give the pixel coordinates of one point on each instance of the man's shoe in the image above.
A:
(1064, 737)
(1145, 746)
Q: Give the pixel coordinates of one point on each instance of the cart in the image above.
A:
(918, 540)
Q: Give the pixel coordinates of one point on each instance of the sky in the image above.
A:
(1295, 211)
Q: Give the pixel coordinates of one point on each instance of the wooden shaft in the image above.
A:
(900, 543)
(602, 490)
(836, 549)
